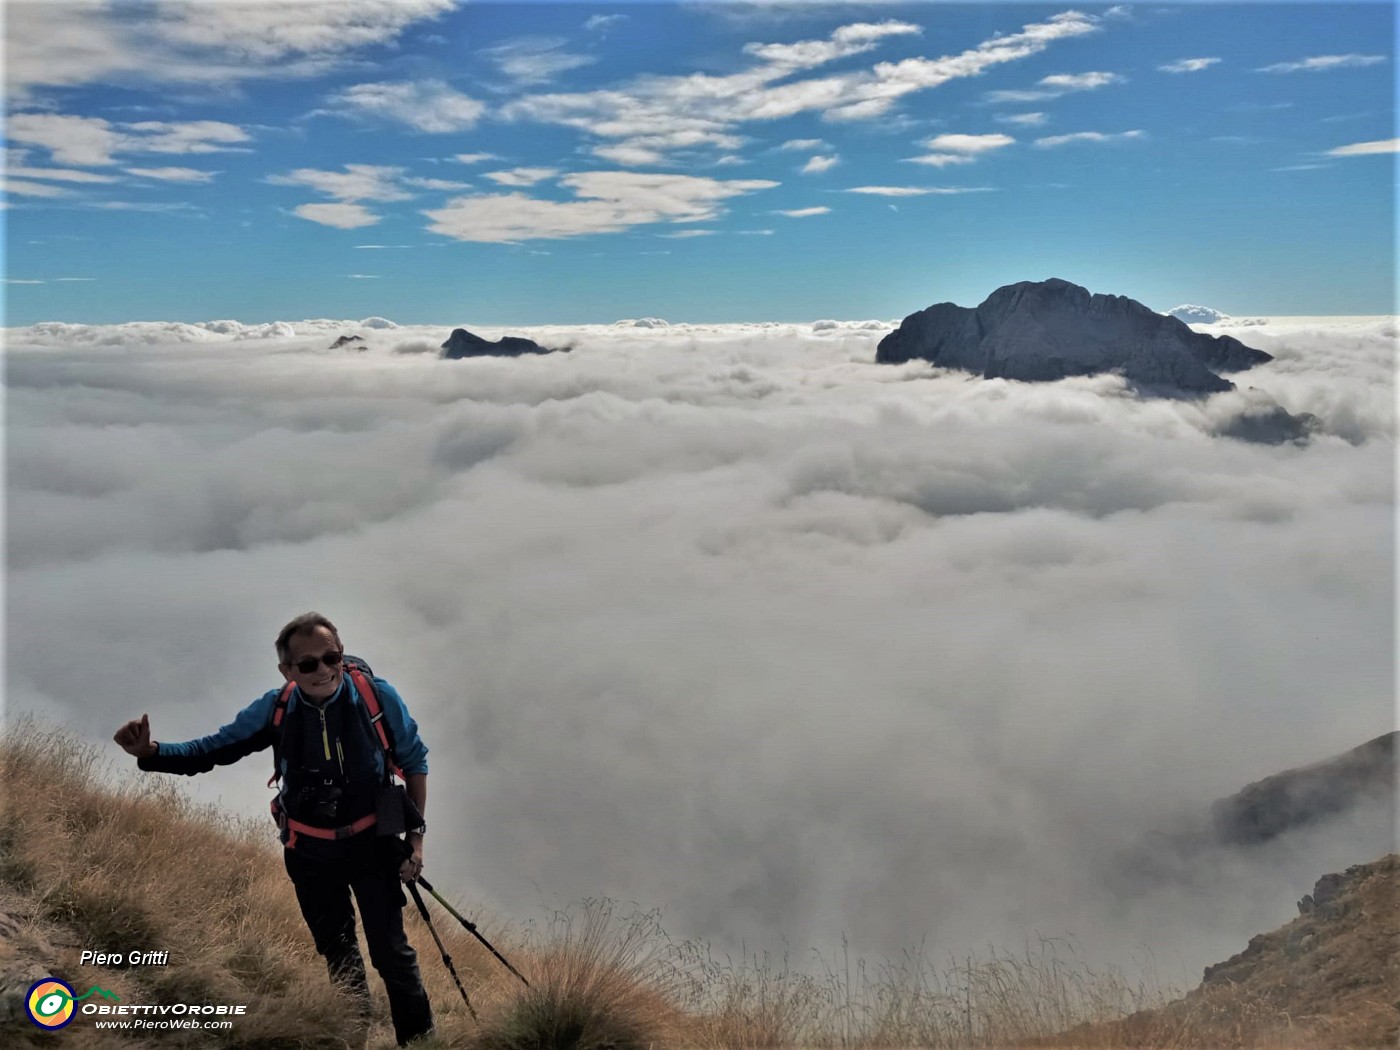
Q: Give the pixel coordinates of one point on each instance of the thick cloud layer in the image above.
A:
(730, 620)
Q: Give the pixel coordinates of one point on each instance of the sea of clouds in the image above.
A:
(731, 621)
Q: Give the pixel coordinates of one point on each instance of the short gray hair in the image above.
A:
(303, 624)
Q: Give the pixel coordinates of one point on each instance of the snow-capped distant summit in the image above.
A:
(1047, 330)
(1193, 314)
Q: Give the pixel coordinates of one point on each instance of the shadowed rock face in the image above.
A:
(1273, 425)
(1299, 797)
(462, 343)
(1047, 330)
(1358, 785)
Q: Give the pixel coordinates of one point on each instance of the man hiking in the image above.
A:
(336, 808)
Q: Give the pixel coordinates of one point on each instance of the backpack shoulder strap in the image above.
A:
(362, 679)
(279, 713)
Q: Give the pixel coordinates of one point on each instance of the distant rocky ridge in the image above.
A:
(1356, 786)
(1048, 330)
(1307, 795)
(346, 340)
(462, 343)
(1270, 425)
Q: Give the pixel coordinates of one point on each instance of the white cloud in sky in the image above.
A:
(942, 160)
(597, 22)
(430, 106)
(95, 142)
(968, 143)
(1056, 85)
(651, 115)
(1361, 149)
(535, 60)
(172, 174)
(58, 174)
(521, 176)
(917, 191)
(434, 184)
(85, 41)
(369, 182)
(149, 206)
(1027, 120)
(803, 145)
(69, 139)
(630, 155)
(60, 45)
(687, 234)
(341, 216)
(817, 165)
(24, 188)
(855, 648)
(1323, 64)
(1188, 65)
(803, 213)
(265, 31)
(1052, 141)
(474, 158)
(844, 42)
(607, 202)
(191, 136)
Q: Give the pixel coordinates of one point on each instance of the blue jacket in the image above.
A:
(251, 730)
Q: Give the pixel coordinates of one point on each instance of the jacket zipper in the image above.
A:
(325, 737)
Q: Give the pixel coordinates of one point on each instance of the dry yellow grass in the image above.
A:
(101, 859)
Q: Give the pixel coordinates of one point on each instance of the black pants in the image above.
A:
(369, 866)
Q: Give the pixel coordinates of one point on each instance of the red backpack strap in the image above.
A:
(279, 712)
(370, 698)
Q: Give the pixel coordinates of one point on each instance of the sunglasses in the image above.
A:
(308, 664)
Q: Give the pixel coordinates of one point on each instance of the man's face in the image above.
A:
(321, 681)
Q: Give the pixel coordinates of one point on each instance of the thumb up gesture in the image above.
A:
(135, 737)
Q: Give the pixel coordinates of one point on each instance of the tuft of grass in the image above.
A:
(599, 980)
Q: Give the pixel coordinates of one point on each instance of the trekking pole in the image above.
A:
(471, 928)
(423, 911)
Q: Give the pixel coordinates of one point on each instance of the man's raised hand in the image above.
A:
(135, 737)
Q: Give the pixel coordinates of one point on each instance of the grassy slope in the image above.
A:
(93, 860)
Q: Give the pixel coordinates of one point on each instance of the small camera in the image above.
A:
(319, 801)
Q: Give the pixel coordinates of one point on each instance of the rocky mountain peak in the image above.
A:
(1047, 330)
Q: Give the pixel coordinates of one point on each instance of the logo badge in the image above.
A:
(49, 1003)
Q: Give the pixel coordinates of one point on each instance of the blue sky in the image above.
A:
(433, 161)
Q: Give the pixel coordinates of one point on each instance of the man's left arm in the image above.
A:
(412, 757)
(412, 866)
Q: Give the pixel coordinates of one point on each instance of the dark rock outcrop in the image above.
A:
(1358, 785)
(1299, 797)
(1047, 330)
(346, 340)
(1271, 425)
(462, 343)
